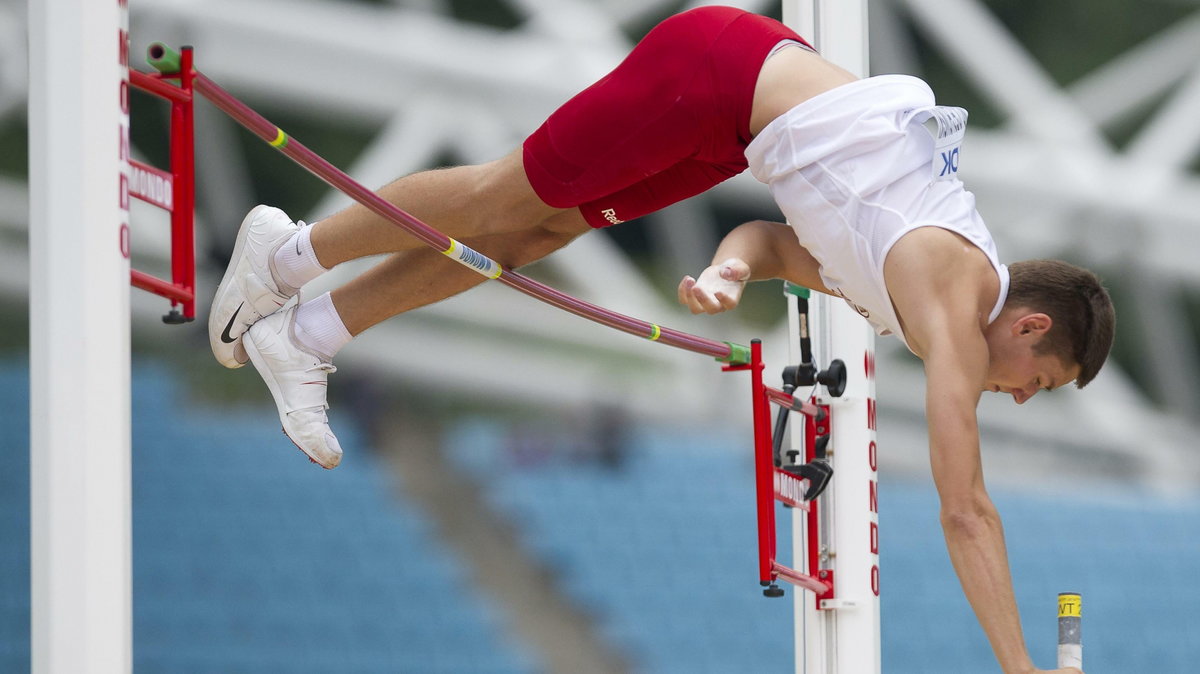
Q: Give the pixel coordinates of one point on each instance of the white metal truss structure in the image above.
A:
(1047, 180)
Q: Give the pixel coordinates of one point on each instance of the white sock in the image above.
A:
(319, 327)
(296, 261)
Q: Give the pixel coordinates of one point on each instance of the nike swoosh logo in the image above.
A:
(229, 326)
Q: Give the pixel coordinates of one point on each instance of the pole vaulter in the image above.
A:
(774, 482)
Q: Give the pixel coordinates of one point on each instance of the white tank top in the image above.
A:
(854, 169)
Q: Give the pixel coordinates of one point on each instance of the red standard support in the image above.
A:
(814, 427)
(774, 484)
(153, 186)
(792, 403)
(764, 466)
(183, 169)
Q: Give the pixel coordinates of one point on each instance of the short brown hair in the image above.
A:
(1079, 306)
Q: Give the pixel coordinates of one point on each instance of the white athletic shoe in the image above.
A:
(298, 381)
(250, 289)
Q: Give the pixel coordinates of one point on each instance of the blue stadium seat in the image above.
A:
(235, 535)
(249, 559)
(662, 554)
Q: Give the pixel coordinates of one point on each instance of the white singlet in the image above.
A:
(850, 168)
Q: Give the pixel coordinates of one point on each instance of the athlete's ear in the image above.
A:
(1036, 324)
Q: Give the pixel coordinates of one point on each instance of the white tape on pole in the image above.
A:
(1070, 630)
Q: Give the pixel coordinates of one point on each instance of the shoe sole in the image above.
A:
(269, 377)
(215, 325)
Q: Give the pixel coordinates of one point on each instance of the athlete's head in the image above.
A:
(1079, 317)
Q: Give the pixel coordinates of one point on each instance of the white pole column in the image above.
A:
(853, 490)
(843, 638)
(80, 559)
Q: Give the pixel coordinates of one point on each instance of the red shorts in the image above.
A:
(671, 121)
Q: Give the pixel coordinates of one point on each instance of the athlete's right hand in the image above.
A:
(718, 289)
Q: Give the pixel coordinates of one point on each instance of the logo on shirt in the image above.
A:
(951, 128)
(610, 214)
(949, 163)
(862, 311)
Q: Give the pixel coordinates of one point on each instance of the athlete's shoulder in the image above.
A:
(934, 277)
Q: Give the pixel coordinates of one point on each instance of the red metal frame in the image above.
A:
(181, 289)
(815, 427)
(770, 482)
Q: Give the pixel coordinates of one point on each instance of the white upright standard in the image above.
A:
(842, 637)
(80, 580)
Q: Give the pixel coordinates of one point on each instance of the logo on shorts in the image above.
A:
(610, 214)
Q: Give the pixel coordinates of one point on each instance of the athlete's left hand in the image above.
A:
(718, 289)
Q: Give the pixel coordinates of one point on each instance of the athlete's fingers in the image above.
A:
(693, 296)
(698, 300)
(722, 301)
(707, 302)
(735, 269)
(685, 287)
(727, 302)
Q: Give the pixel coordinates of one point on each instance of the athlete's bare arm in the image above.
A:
(943, 289)
(754, 251)
(955, 363)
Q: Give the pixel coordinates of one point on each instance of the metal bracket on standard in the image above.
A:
(836, 604)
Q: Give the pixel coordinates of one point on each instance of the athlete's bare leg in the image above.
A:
(415, 278)
(461, 202)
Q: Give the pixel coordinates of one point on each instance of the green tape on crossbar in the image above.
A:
(164, 59)
(797, 290)
(738, 354)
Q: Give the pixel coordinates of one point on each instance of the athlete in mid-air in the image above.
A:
(705, 95)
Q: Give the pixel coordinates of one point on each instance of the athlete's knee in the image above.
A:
(569, 223)
(530, 245)
(502, 200)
